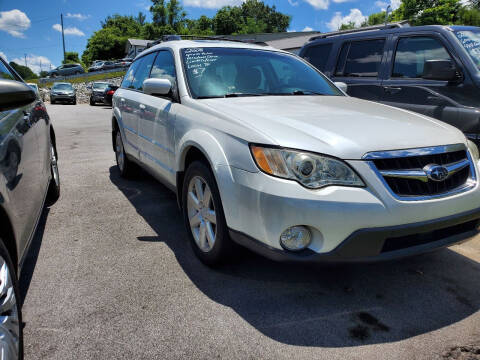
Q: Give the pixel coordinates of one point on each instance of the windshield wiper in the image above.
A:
(241, 94)
(306, 92)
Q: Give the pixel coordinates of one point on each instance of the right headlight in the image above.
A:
(313, 171)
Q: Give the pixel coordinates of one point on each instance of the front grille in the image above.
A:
(403, 242)
(392, 166)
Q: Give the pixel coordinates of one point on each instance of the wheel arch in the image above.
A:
(8, 236)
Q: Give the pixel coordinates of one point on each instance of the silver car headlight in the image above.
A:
(313, 171)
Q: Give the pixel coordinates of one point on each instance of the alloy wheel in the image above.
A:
(54, 166)
(201, 213)
(119, 151)
(9, 320)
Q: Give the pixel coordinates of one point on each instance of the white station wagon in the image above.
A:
(264, 151)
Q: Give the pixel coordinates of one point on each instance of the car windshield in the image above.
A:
(100, 86)
(229, 72)
(62, 87)
(470, 40)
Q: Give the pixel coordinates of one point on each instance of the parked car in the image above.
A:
(108, 93)
(67, 69)
(28, 175)
(432, 70)
(264, 151)
(97, 92)
(102, 65)
(63, 92)
(124, 62)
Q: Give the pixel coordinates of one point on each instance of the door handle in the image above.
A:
(142, 107)
(391, 89)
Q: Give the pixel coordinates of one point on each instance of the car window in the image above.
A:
(411, 54)
(5, 73)
(470, 40)
(100, 86)
(62, 87)
(318, 55)
(219, 72)
(128, 78)
(164, 67)
(360, 58)
(143, 71)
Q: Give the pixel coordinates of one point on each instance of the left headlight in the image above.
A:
(311, 170)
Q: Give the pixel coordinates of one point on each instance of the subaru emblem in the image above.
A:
(436, 172)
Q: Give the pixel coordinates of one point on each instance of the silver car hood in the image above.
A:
(341, 126)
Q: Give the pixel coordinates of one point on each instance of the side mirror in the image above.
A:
(157, 86)
(342, 86)
(14, 94)
(439, 70)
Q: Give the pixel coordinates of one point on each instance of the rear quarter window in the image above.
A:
(318, 55)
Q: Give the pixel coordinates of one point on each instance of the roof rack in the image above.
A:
(398, 24)
(166, 38)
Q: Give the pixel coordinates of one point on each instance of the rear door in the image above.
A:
(404, 86)
(358, 65)
(156, 121)
(318, 55)
(22, 180)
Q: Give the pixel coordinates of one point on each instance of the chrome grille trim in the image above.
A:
(419, 174)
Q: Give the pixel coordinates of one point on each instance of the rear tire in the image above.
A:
(52, 102)
(127, 168)
(204, 217)
(11, 329)
(54, 187)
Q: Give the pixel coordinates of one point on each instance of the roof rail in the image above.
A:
(398, 24)
(165, 38)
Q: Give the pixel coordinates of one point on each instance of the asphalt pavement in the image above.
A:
(111, 275)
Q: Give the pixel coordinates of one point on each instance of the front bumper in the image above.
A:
(62, 97)
(347, 224)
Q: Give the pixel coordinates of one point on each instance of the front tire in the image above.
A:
(204, 217)
(54, 187)
(125, 166)
(92, 103)
(11, 332)
(74, 102)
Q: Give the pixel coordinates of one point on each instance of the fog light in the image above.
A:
(295, 238)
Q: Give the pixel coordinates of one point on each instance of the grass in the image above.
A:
(86, 78)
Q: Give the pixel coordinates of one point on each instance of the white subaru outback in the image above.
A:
(264, 151)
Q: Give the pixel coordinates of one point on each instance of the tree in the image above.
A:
(43, 74)
(25, 72)
(141, 17)
(71, 57)
(159, 12)
(350, 25)
(170, 13)
(469, 16)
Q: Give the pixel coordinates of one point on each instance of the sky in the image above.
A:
(30, 29)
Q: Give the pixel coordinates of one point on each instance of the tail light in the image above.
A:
(110, 92)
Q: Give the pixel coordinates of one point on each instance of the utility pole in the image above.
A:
(63, 39)
(25, 59)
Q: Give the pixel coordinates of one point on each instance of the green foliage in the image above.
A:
(86, 78)
(350, 25)
(253, 16)
(43, 74)
(25, 72)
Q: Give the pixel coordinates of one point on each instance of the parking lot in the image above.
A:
(110, 275)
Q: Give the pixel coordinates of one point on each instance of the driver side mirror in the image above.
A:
(154, 87)
(342, 86)
(15, 94)
(443, 70)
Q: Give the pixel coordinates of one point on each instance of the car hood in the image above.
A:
(341, 126)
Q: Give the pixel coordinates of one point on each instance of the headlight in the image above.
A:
(311, 170)
(473, 150)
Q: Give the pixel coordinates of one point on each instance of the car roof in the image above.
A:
(374, 31)
(182, 44)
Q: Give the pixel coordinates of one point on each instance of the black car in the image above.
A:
(433, 70)
(29, 180)
(102, 92)
(102, 65)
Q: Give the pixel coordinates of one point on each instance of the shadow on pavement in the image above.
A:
(319, 305)
(32, 256)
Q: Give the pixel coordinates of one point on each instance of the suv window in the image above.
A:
(318, 55)
(5, 73)
(129, 76)
(360, 58)
(164, 67)
(412, 53)
(143, 71)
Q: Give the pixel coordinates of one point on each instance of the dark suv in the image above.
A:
(67, 69)
(432, 70)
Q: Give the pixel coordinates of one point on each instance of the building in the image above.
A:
(135, 47)
(289, 41)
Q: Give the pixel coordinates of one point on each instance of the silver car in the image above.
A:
(264, 151)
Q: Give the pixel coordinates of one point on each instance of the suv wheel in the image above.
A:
(92, 103)
(125, 166)
(54, 187)
(74, 102)
(11, 333)
(203, 215)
